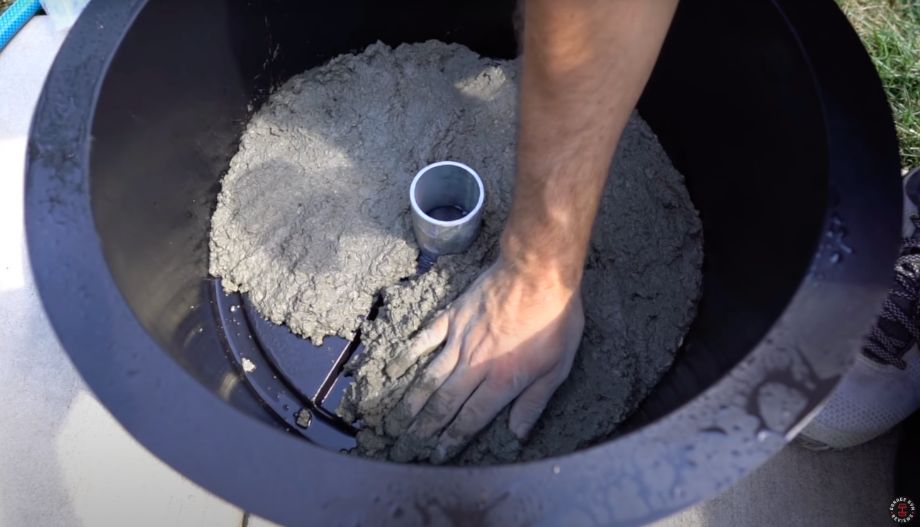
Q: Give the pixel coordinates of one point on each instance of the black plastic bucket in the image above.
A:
(770, 108)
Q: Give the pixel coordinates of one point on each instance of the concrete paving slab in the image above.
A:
(797, 487)
(255, 521)
(64, 461)
(852, 487)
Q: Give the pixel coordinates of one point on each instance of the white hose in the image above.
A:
(63, 13)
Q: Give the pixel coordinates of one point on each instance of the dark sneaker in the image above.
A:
(883, 386)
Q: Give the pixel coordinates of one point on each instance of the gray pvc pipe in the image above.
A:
(446, 199)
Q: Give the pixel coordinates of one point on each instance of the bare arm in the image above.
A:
(585, 65)
(512, 336)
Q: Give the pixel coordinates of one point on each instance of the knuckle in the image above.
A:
(437, 406)
(465, 358)
(426, 383)
(432, 414)
(504, 377)
(468, 355)
(473, 412)
(531, 408)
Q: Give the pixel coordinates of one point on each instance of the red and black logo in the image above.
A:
(902, 510)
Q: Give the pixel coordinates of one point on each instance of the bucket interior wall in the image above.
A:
(731, 100)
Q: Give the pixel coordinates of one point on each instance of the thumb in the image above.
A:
(528, 407)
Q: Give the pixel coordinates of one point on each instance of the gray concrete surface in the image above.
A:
(64, 461)
(800, 487)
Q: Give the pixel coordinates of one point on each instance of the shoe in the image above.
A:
(911, 201)
(870, 400)
(883, 386)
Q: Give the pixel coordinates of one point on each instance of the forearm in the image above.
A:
(585, 64)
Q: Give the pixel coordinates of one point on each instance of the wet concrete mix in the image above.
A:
(313, 222)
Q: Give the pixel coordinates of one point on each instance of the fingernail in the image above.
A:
(395, 369)
(439, 455)
(521, 431)
(399, 453)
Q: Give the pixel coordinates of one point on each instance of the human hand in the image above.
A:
(512, 336)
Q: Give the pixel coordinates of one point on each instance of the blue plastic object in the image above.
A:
(16, 16)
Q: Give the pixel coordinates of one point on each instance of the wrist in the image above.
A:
(532, 259)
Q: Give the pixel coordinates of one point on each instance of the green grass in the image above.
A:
(890, 29)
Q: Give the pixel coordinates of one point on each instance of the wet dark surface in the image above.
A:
(308, 368)
(291, 377)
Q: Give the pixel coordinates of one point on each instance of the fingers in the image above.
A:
(426, 341)
(480, 409)
(444, 403)
(430, 379)
(442, 406)
(530, 404)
